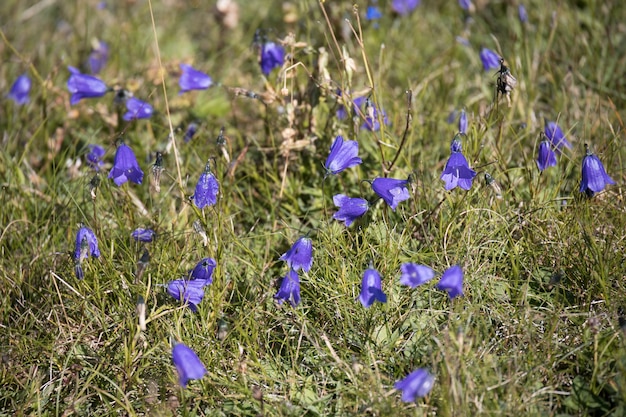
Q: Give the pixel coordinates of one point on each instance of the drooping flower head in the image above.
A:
(86, 244)
(414, 274)
(556, 136)
(343, 155)
(452, 116)
(350, 209)
(125, 166)
(189, 291)
(490, 59)
(137, 109)
(272, 56)
(372, 121)
(342, 112)
(546, 157)
(417, 384)
(457, 171)
(594, 177)
(465, 4)
(94, 157)
(373, 13)
(203, 271)
(190, 132)
(403, 7)
(364, 106)
(207, 189)
(452, 281)
(371, 288)
(300, 255)
(143, 235)
(463, 122)
(84, 86)
(20, 90)
(392, 190)
(192, 79)
(98, 57)
(521, 11)
(187, 363)
(289, 289)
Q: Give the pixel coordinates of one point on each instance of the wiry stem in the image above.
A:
(409, 117)
(167, 106)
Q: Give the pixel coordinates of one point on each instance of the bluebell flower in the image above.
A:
(137, 109)
(98, 57)
(371, 288)
(342, 112)
(546, 157)
(350, 209)
(84, 86)
(391, 190)
(403, 7)
(523, 16)
(143, 235)
(343, 155)
(203, 271)
(465, 4)
(289, 289)
(373, 13)
(300, 255)
(189, 291)
(414, 274)
(187, 363)
(20, 90)
(125, 166)
(457, 171)
(463, 122)
(371, 116)
(594, 177)
(190, 132)
(94, 156)
(556, 136)
(368, 109)
(417, 384)
(490, 59)
(86, 244)
(452, 116)
(272, 56)
(452, 281)
(206, 189)
(192, 79)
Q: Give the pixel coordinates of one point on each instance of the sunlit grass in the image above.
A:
(538, 330)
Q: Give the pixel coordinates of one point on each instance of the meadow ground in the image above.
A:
(539, 328)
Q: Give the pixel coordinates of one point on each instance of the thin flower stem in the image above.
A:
(167, 106)
(409, 118)
(30, 64)
(359, 38)
(332, 32)
(324, 207)
(44, 85)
